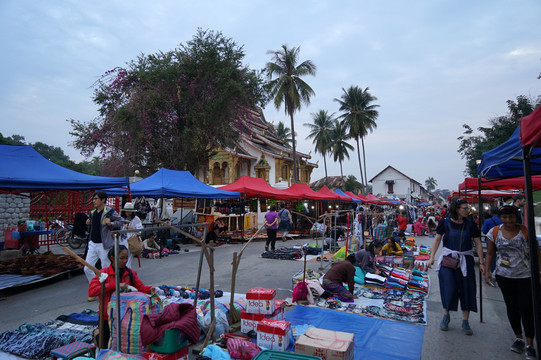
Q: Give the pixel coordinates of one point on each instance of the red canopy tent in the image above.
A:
(503, 184)
(303, 191)
(251, 187)
(360, 196)
(332, 195)
(530, 128)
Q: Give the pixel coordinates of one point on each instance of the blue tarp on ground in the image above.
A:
(374, 338)
(506, 160)
(173, 183)
(24, 168)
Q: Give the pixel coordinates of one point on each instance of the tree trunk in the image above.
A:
(364, 161)
(360, 166)
(294, 149)
(325, 162)
(341, 171)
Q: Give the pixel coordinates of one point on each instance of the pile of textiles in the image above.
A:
(309, 275)
(397, 280)
(409, 242)
(185, 292)
(283, 254)
(35, 341)
(418, 282)
(424, 250)
(384, 269)
(374, 280)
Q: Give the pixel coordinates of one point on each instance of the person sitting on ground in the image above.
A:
(128, 278)
(366, 258)
(339, 273)
(420, 228)
(151, 249)
(391, 248)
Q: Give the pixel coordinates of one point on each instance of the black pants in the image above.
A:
(517, 294)
(271, 238)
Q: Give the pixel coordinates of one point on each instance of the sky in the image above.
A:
(433, 65)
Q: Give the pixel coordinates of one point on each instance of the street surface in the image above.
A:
(45, 301)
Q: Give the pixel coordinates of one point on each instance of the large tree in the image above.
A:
(320, 131)
(500, 129)
(283, 133)
(359, 117)
(431, 184)
(287, 86)
(170, 109)
(340, 146)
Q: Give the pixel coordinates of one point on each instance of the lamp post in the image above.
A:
(480, 217)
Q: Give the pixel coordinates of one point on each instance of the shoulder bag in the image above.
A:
(449, 261)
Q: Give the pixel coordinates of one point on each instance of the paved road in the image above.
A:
(491, 339)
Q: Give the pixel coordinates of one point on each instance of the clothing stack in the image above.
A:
(398, 280)
(374, 280)
(418, 285)
(384, 269)
(424, 250)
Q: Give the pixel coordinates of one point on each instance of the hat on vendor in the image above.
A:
(128, 207)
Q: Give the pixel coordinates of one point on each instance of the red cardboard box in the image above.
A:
(249, 321)
(273, 334)
(182, 354)
(260, 301)
(327, 344)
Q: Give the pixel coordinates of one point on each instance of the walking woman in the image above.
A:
(509, 244)
(455, 268)
(271, 223)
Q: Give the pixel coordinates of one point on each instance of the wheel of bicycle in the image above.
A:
(74, 241)
(62, 236)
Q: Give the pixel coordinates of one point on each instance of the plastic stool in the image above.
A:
(71, 351)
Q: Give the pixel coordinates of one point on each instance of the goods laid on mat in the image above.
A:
(36, 341)
(283, 254)
(44, 265)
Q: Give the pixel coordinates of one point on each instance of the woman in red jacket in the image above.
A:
(128, 277)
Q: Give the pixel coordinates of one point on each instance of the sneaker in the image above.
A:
(444, 325)
(518, 346)
(530, 353)
(91, 298)
(466, 327)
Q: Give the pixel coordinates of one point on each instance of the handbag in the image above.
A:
(135, 245)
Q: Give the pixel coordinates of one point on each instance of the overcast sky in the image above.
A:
(433, 65)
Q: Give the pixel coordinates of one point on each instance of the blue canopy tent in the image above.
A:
(174, 183)
(341, 193)
(521, 156)
(24, 169)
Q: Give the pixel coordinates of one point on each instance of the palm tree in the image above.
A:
(351, 184)
(360, 117)
(430, 184)
(340, 147)
(288, 88)
(284, 133)
(320, 131)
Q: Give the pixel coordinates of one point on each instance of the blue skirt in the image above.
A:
(454, 286)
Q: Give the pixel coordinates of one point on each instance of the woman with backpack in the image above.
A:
(285, 221)
(128, 278)
(509, 244)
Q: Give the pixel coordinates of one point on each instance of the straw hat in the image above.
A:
(128, 207)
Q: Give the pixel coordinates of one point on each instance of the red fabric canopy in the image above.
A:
(303, 191)
(325, 191)
(530, 128)
(471, 184)
(359, 197)
(251, 187)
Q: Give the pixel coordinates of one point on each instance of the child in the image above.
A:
(151, 249)
(128, 277)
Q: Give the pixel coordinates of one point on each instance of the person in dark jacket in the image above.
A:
(339, 273)
(366, 258)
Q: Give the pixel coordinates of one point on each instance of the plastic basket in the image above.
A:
(172, 341)
(283, 355)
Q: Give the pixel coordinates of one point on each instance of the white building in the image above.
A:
(393, 183)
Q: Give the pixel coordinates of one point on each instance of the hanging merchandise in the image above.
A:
(142, 206)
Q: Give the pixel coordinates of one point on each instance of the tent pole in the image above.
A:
(534, 249)
(480, 204)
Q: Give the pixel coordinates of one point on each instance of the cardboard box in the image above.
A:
(273, 334)
(260, 301)
(249, 321)
(327, 344)
(181, 354)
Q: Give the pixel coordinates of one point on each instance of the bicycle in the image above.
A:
(64, 236)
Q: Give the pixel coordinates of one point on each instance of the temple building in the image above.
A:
(258, 153)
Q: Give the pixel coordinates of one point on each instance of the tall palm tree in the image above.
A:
(320, 131)
(287, 87)
(360, 117)
(351, 184)
(283, 133)
(430, 184)
(340, 147)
